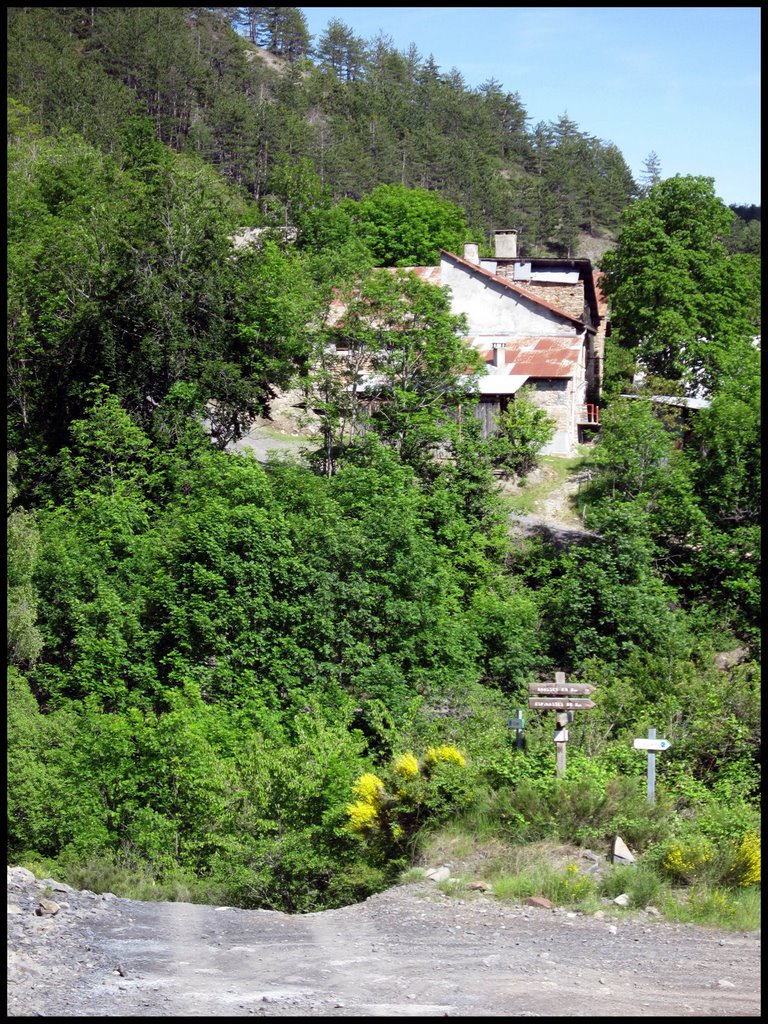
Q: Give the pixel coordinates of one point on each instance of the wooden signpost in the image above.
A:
(563, 698)
(560, 704)
(566, 690)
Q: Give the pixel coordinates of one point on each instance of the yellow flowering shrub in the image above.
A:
(362, 816)
(388, 810)
(407, 766)
(575, 885)
(369, 788)
(364, 813)
(446, 753)
(685, 861)
(746, 865)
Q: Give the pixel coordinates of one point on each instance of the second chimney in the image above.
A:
(506, 244)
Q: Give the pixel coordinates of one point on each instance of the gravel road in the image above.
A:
(407, 952)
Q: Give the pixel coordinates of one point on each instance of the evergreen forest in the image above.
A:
(269, 684)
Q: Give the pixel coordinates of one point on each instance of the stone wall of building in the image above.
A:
(568, 297)
(556, 398)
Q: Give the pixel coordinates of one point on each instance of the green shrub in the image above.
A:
(640, 882)
(583, 811)
(523, 430)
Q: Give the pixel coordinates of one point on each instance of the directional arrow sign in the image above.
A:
(651, 744)
(559, 703)
(567, 689)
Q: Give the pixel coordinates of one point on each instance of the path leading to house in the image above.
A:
(265, 441)
(547, 502)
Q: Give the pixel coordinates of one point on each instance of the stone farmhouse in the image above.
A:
(536, 321)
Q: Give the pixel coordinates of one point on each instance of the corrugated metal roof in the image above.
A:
(532, 356)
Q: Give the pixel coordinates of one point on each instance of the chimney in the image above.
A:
(499, 353)
(472, 253)
(506, 244)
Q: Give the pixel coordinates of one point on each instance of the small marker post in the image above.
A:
(517, 724)
(651, 770)
(652, 745)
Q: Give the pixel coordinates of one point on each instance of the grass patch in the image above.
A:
(735, 910)
(528, 495)
(564, 887)
(640, 883)
(557, 872)
(105, 873)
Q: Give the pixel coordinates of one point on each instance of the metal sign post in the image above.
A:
(518, 724)
(652, 745)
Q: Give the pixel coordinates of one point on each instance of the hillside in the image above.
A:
(269, 683)
(355, 114)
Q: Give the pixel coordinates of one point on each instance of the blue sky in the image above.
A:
(683, 82)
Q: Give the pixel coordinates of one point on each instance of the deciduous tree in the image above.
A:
(679, 299)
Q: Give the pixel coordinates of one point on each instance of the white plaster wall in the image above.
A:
(490, 308)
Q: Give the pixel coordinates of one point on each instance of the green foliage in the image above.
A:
(403, 370)
(23, 544)
(523, 430)
(37, 784)
(288, 849)
(407, 227)
(607, 602)
(172, 307)
(678, 297)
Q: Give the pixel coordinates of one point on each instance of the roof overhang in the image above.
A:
(501, 383)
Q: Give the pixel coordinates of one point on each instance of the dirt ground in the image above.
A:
(409, 952)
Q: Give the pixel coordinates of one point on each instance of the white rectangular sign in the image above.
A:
(651, 744)
(561, 736)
